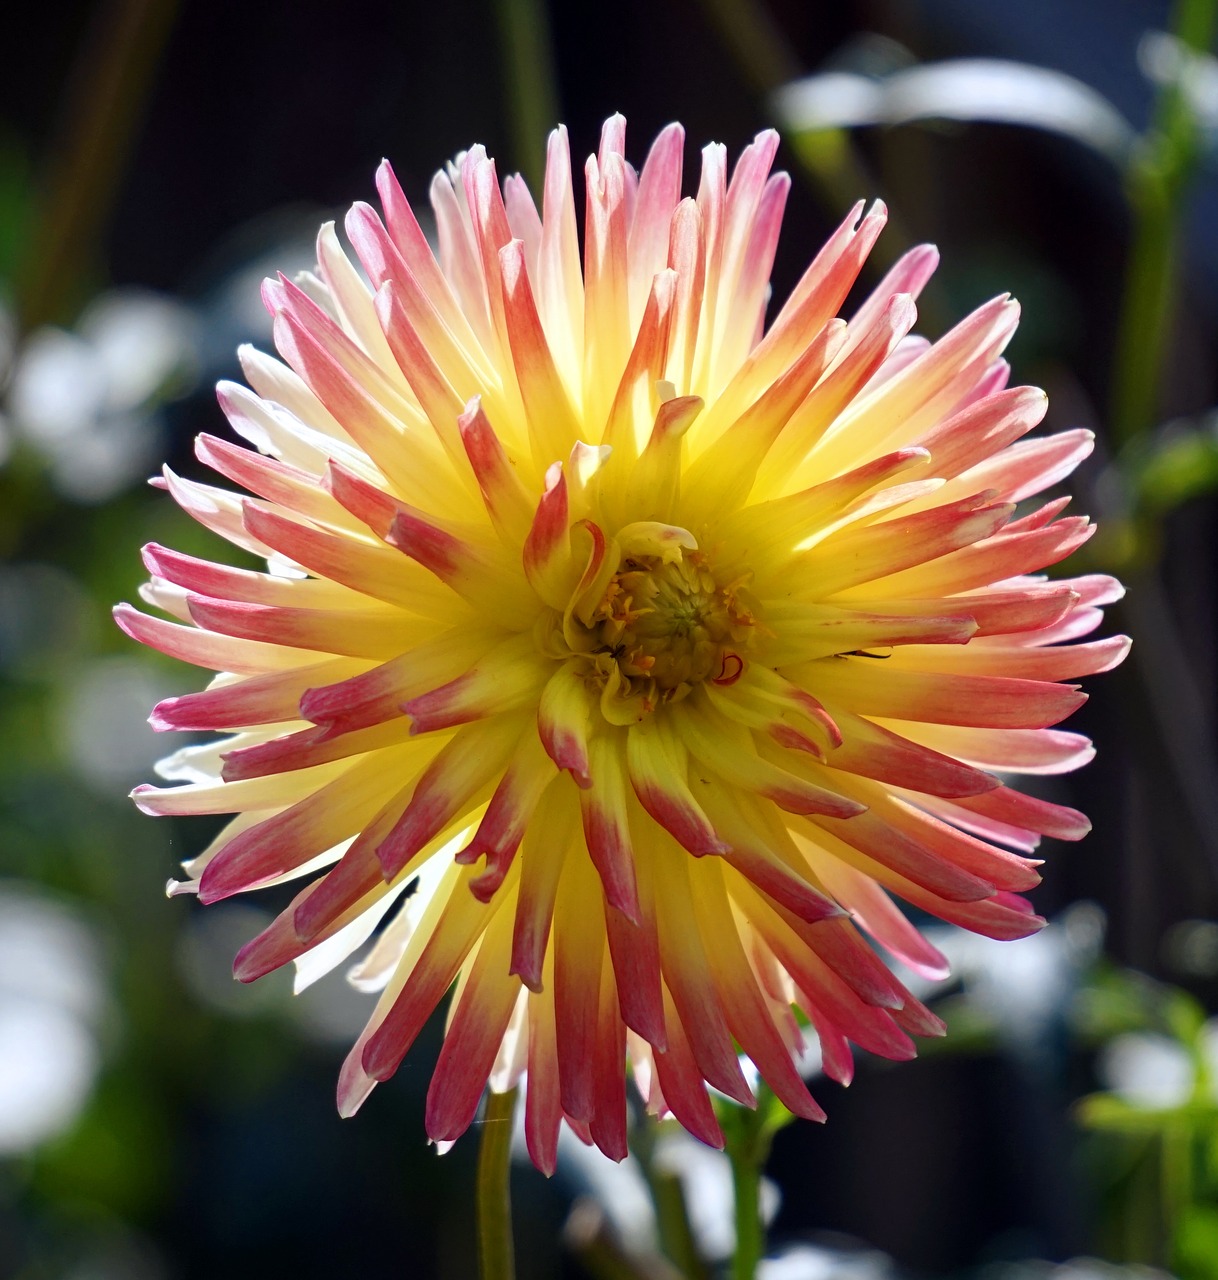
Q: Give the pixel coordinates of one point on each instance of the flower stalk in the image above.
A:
(1157, 179)
(532, 91)
(673, 1227)
(748, 1136)
(496, 1252)
(746, 1159)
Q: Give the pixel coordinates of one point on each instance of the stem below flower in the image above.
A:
(748, 1140)
(676, 1234)
(1156, 183)
(496, 1255)
(532, 90)
(750, 1234)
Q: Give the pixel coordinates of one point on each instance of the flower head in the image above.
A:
(633, 654)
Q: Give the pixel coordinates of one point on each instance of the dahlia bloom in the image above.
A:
(618, 657)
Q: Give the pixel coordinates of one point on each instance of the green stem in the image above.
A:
(676, 1233)
(750, 1233)
(748, 1138)
(1157, 177)
(105, 98)
(1175, 1179)
(532, 94)
(496, 1255)
(1149, 295)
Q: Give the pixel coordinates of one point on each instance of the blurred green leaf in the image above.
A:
(971, 1028)
(118, 1155)
(772, 1114)
(1196, 1243)
(1109, 1113)
(1180, 464)
(16, 207)
(1183, 1016)
(1114, 1000)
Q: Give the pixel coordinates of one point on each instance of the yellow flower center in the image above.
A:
(669, 625)
(663, 626)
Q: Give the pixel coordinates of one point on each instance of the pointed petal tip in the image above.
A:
(530, 978)
(1120, 651)
(214, 889)
(354, 1088)
(627, 905)
(470, 412)
(137, 793)
(544, 1162)
(377, 1063)
(247, 966)
(158, 720)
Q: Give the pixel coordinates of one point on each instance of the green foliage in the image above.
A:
(1172, 468)
(1156, 1160)
(1196, 1245)
(16, 206)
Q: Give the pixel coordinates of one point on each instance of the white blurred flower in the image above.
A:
(142, 340)
(1154, 1072)
(1190, 947)
(59, 386)
(51, 997)
(620, 1189)
(967, 89)
(1164, 60)
(85, 399)
(1074, 1269)
(819, 1262)
(1146, 1070)
(1020, 990)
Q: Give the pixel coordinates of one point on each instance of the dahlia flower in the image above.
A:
(620, 658)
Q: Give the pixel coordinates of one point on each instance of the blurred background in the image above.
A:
(157, 159)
